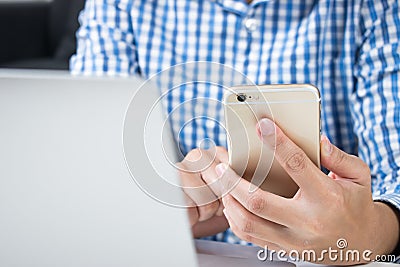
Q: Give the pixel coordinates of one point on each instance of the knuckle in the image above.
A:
(247, 226)
(213, 207)
(364, 167)
(317, 227)
(296, 162)
(242, 235)
(193, 215)
(221, 150)
(256, 203)
(340, 158)
(207, 211)
(303, 244)
(222, 154)
(336, 198)
(197, 160)
(194, 154)
(228, 182)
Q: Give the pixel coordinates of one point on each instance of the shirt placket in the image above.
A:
(245, 36)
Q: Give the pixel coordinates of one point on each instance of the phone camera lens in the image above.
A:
(241, 98)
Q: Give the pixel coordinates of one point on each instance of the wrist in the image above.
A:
(385, 231)
(210, 227)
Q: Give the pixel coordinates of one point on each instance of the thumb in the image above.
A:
(343, 165)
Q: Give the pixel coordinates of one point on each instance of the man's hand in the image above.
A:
(325, 209)
(198, 178)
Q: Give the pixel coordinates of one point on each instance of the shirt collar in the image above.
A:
(239, 6)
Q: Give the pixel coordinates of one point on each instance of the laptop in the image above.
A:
(86, 177)
(67, 197)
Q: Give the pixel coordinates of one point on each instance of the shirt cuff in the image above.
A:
(393, 199)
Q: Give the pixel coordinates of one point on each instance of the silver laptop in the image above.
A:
(67, 197)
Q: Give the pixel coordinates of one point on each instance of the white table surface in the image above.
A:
(211, 254)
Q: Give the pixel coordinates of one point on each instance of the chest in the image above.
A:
(272, 42)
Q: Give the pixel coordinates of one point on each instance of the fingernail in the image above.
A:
(267, 127)
(327, 146)
(220, 169)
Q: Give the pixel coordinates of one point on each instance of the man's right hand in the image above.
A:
(203, 196)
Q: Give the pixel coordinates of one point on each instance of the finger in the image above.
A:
(261, 203)
(193, 215)
(249, 238)
(202, 162)
(209, 175)
(222, 154)
(192, 211)
(202, 196)
(220, 210)
(250, 224)
(343, 165)
(210, 178)
(195, 161)
(198, 160)
(292, 159)
(194, 186)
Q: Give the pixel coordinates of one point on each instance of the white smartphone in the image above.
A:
(294, 108)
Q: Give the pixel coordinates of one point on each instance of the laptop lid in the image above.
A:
(67, 197)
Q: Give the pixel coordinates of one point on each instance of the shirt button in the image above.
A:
(250, 24)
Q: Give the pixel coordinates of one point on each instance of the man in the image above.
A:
(348, 49)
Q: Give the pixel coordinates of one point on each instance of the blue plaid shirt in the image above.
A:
(349, 49)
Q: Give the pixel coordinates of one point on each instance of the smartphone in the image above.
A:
(295, 108)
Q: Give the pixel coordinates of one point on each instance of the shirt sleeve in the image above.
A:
(376, 109)
(105, 40)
